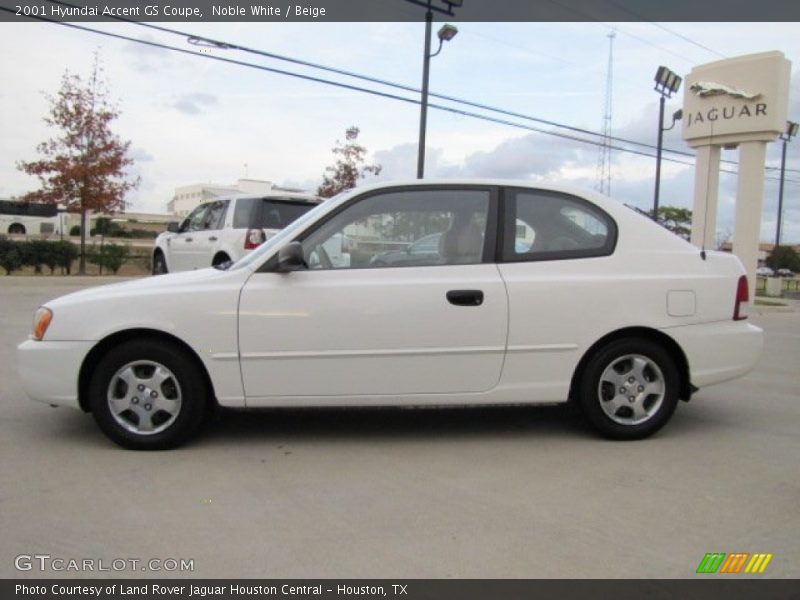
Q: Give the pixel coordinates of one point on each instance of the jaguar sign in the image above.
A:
(742, 103)
(736, 100)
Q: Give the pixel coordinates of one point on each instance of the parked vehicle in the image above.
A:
(222, 231)
(784, 273)
(31, 218)
(599, 305)
(764, 272)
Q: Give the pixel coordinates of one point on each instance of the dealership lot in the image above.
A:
(502, 492)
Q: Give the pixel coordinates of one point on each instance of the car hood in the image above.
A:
(170, 284)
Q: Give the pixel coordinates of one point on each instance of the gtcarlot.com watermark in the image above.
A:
(48, 563)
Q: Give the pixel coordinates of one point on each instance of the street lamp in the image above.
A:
(445, 34)
(786, 136)
(667, 83)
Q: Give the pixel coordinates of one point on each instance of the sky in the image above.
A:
(194, 120)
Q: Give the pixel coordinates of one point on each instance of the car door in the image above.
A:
(182, 245)
(206, 238)
(435, 326)
(556, 262)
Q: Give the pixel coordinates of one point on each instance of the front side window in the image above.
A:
(196, 219)
(215, 215)
(544, 225)
(403, 229)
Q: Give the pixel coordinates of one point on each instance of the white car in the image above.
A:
(224, 230)
(598, 305)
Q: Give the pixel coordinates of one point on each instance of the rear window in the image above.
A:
(268, 213)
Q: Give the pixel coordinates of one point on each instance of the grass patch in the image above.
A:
(762, 302)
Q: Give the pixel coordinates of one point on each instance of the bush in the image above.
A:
(784, 257)
(75, 230)
(36, 254)
(110, 256)
(65, 253)
(10, 257)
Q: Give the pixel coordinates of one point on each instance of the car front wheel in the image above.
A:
(148, 395)
(159, 264)
(629, 389)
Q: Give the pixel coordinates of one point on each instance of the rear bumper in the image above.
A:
(49, 370)
(717, 352)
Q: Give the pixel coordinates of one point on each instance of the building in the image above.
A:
(187, 197)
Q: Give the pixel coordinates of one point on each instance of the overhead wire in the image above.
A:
(356, 88)
(202, 40)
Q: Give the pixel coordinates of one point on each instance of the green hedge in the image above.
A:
(39, 254)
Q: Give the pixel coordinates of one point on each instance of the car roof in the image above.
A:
(276, 195)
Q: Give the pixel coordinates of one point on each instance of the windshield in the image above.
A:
(279, 238)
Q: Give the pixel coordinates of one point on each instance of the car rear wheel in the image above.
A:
(629, 389)
(159, 264)
(220, 259)
(148, 395)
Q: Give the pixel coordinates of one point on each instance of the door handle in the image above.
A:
(213, 238)
(187, 239)
(465, 297)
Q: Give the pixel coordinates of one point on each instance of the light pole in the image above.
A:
(445, 34)
(786, 136)
(667, 83)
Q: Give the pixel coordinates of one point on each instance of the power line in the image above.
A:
(449, 109)
(664, 28)
(201, 40)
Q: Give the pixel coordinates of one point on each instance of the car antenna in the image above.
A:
(705, 216)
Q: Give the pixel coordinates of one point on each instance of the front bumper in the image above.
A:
(717, 352)
(49, 370)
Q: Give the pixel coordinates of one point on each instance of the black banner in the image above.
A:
(408, 589)
(398, 10)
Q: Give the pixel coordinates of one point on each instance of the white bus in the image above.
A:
(31, 218)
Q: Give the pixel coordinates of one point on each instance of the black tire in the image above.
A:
(172, 400)
(628, 389)
(159, 264)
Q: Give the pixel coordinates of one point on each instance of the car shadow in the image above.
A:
(391, 423)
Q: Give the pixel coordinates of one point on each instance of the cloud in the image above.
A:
(141, 155)
(195, 103)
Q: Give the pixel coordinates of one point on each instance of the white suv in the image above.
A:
(224, 230)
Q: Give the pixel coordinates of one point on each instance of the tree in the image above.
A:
(349, 167)
(83, 167)
(784, 257)
(677, 220)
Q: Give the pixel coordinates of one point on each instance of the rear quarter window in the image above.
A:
(545, 225)
(268, 213)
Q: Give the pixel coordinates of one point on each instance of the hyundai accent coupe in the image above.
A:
(531, 295)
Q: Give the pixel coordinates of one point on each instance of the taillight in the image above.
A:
(742, 297)
(254, 238)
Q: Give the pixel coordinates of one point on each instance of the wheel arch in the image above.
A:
(654, 335)
(222, 252)
(93, 357)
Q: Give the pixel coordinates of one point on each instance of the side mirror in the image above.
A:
(173, 227)
(290, 258)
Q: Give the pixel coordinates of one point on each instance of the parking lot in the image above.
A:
(514, 492)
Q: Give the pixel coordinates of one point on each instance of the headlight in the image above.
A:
(41, 321)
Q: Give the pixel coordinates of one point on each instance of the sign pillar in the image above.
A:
(706, 191)
(749, 201)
